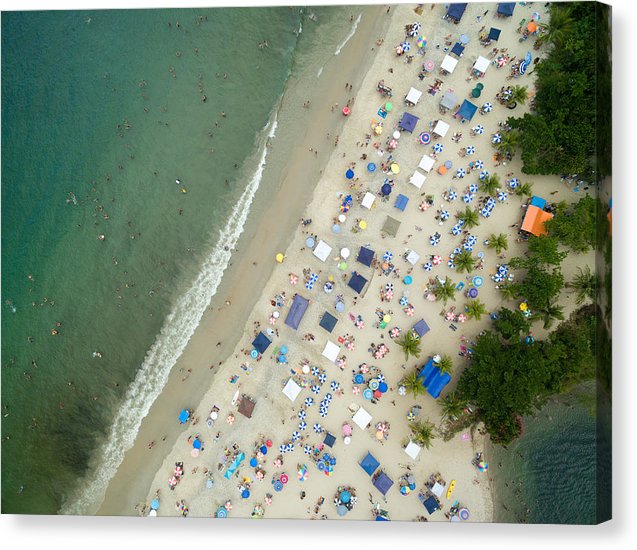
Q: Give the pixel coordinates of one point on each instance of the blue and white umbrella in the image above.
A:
(484, 174)
(502, 196)
(452, 195)
(461, 172)
(296, 436)
(307, 450)
(317, 428)
(308, 401)
(388, 256)
(315, 389)
(302, 425)
(322, 378)
(487, 107)
(478, 129)
(467, 198)
(473, 188)
(472, 239)
(471, 150)
(309, 285)
(497, 278)
(315, 371)
(479, 165)
(434, 240)
(503, 269)
(403, 301)
(282, 448)
(328, 397)
(513, 183)
(323, 413)
(302, 414)
(456, 230)
(289, 447)
(444, 215)
(415, 28)
(450, 263)
(456, 250)
(523, 66)
(314, 277)
(467, 246)
(322, 409)
(428, 266)
(438, 147)
(334, 385)
(380, 378)
(497, 138)
(490, 202)
(406, 46)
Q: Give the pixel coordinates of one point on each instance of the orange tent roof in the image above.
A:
(534, 220)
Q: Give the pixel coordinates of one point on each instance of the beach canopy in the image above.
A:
(184, 415)
(357, 282)
(369, 464)
(391, 226)
(291, 390)
(456, 11)
(408, 122)
(412, 450)
(331, 351)
(421, 328)
(431, 504)
(457, 49)
(426, 163)
(481, 65)
(362, 418)
(328, 322)
(437, 489)
(322, 250)
(432, 379)
(261, 342)
(365, 256)
(413, 96)
(383, 483)
(538, 201)
(506, 8)
(329, 439)
(449, 63)
(368, 200)
(417, 179)
(297, 311)
(401, 202)
(494, 33)
(534, 221)
(467, 110)
(449, 100)
(413, 257)
(246, 406)
(441, 128)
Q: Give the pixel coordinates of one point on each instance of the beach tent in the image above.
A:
(413, 96)
(494, 34)
(449, 100)
(391, 226)
(184, 416)
(505, 9)
(291, 390)
(426, 163)
(232, 467)
(427, 372)
(383, 483)
(481, 65)
(448, 64)
(365, 256)
(328, 322)
(412, 450)
(246, 406)
(431, 504)
(297, 311)
(441, 128)
(437, 489)
(331, 351)
(421, 328)
(401, 202)
(322, 250)
(413, 257)
(417, 179)
(362, 418)
(261, 342)
(432, 379)
(457, 49)
(329, 439)
(369, 464)
(408, 122)
(467, 110)
(534, 221)
(538, 201)
(456, 11)
(357, 282)
(368, 200)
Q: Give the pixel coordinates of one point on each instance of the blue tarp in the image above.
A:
(232, 468)
(329, 439)
(457, 49)
(297, 310)
(369, 464)
(539, 202)
(383, 483)
(421, 328)
(401, 202)
(431, 504)
(408, 122)
(456, 11)
(432, 379)
(494, 34)
(365, 256)
(261, 342)
(381, 518)
(506, 8)
(184, 415)
(328, 322)
(357, 282)
(467, 110)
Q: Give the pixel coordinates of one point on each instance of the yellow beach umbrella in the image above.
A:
(395, 168)
(387, 318)
(378, 130)
(331, 278)
(362, 224)
(523, 306)
(279, 257)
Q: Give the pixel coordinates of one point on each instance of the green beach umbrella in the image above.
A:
(388, 107)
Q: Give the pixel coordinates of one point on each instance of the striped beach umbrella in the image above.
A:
(487, 107)
(314, 277)
(479, 165)
(342, 363)
(314, 371)
(456, 230)
(471, 150)
(317, 428)
(302, 414)
(309, 285)
(513, 183)
(456, 250)
(472, 239)
(323, 413)
(452, 196)
(424, 138)
(467, 246)
(484, 174)
(427, 266)
(282, 448)
(387, 256)
(356, 390)
(307, 450)
(450, 263)
(436, 259)
(328, 398)
(478, 129)
(434, 240)
(308, 401)
(406, 46)
(461, 172)
(444, 215)
(322, 378)
(334, 385)
(467, 198)
(497, 138)
(296, 436)
(502, 196)
(380, 378)
(438, 147)
(473, 188)
(289, 448)
(302, 425)
(315, 389)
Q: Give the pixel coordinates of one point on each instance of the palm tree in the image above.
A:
(445, 290)
(422, 433)
(452, 406)
(445, 364)
(490, 185)
(498, 242)
(559, 27)
(475, 309)
(585, 284)
(519, 95)
(549, 313)
(509, 292)
(410, 344)
(469, 218)
(524, 190)
(464, 261)
(509, 142)
(413, 384)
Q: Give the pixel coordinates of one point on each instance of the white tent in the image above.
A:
(413, 96)
(441, 128)
(449, 63)
(417, 179)
(331, 351)
(413, 257)
(292, 390)
(437, 489)
(368, 200)
(413, 450)
(426, 163)
(322, 250)
(362, 418)
(481, 65)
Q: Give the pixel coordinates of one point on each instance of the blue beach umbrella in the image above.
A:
(245, 494)
(317, 428)
(452, 195)
(323, 413)
(253, 462)
(345, 497)
(424, 138)
(314, 371)
(444, 215)
(221, 512)
(380, 378)
(450, 263)
(309, 242)
(154, 504)
(334, 385)
(406, 46)
(359, 379)
(387, 256)
(367, 393)
(438, 147)
(264, 449)
(382, 387)
(349, 174)
(502, 196)
(340, 306)
(371, 167)
(196, 444)
(296, 436)
(184, 415)
(336, 228)
(448, 164)
(307, 450)
(315, 389)
(408, 280)
(428, 266)
(254, 354)
(467, 198)
(322, 377)
(513, 183)
(278, 486)
(386, 189)
(497, 138)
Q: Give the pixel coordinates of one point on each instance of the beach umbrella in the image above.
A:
(467, 198)
(346, 111)
(388, 107)
(281, 450)
(289, 448)
(349, 174)
(487, 107)
(473, 292)
(309, 286)
(340, 306)
(341, 363)
(356, 390)
(362, 224)
(253, 462)
(513, 183)
(278, 486)
(315, 389)
(472, 239)
(478, 129)
(406, 46)
(464, 39)
(473, 188)
(497, 138)
(450, 263)
(302, 414)
(341, 510)
(386, 189)
(264, 449)
(221, 513)
(502, 196)
(371, 167)
(396, 134)
(308, 401)
(307, 450)
(429, 65)
(322, 377)
(424, 138)
(484, 174)
(373, 383)
(184, 415)
(402, 390)
(359, 378)
(452, 196)
(345, 252)
(334, 385)
(296, 436)
(387, 256)
(395, 168)
(317, 428)
(471, 150)
(245, 494)
(444, 215)
(438, 147)
(367, 393)
(313, 278)
(461, 172)
(294, 278)
(381, 378)
(336, 228)
(522, 68)
(456, 230)
(154, 504)
(479, 165)
(382, 387)
(421, 42)
(463, 514)
(345, 497)
(284, 478)
(230, 419)
(393, 144)
(467, 246)
(309, 242)
(267, 500)
(315, 371)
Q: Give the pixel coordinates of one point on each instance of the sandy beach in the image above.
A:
(257, 293)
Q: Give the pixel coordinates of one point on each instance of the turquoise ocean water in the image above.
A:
(102, 112)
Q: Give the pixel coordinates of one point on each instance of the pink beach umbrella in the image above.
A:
(356, 390)
(350, 346)
(449, 316)
(341, 363)
(409, 310)
(267, 500)
(423, 206)
(395, 332)
(431, 297)
(389, 295)
(277, 462)
(347, 429)
(228, 506)
(294, 278)
(360, 324)
(429, 65)
(436, 260)
(462, 318)
(364, 368)
(230, 419)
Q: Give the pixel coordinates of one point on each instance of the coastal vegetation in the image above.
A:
(445, 290)
(422, 433)
(475, 309)
(498, 242)
(410, 344)
(469, 218)
(464, 261)
(575, 225)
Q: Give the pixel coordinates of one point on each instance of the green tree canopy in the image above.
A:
(575, 225)
(511, 324)
(540, 286)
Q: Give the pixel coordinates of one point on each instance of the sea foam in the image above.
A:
(352, 32)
